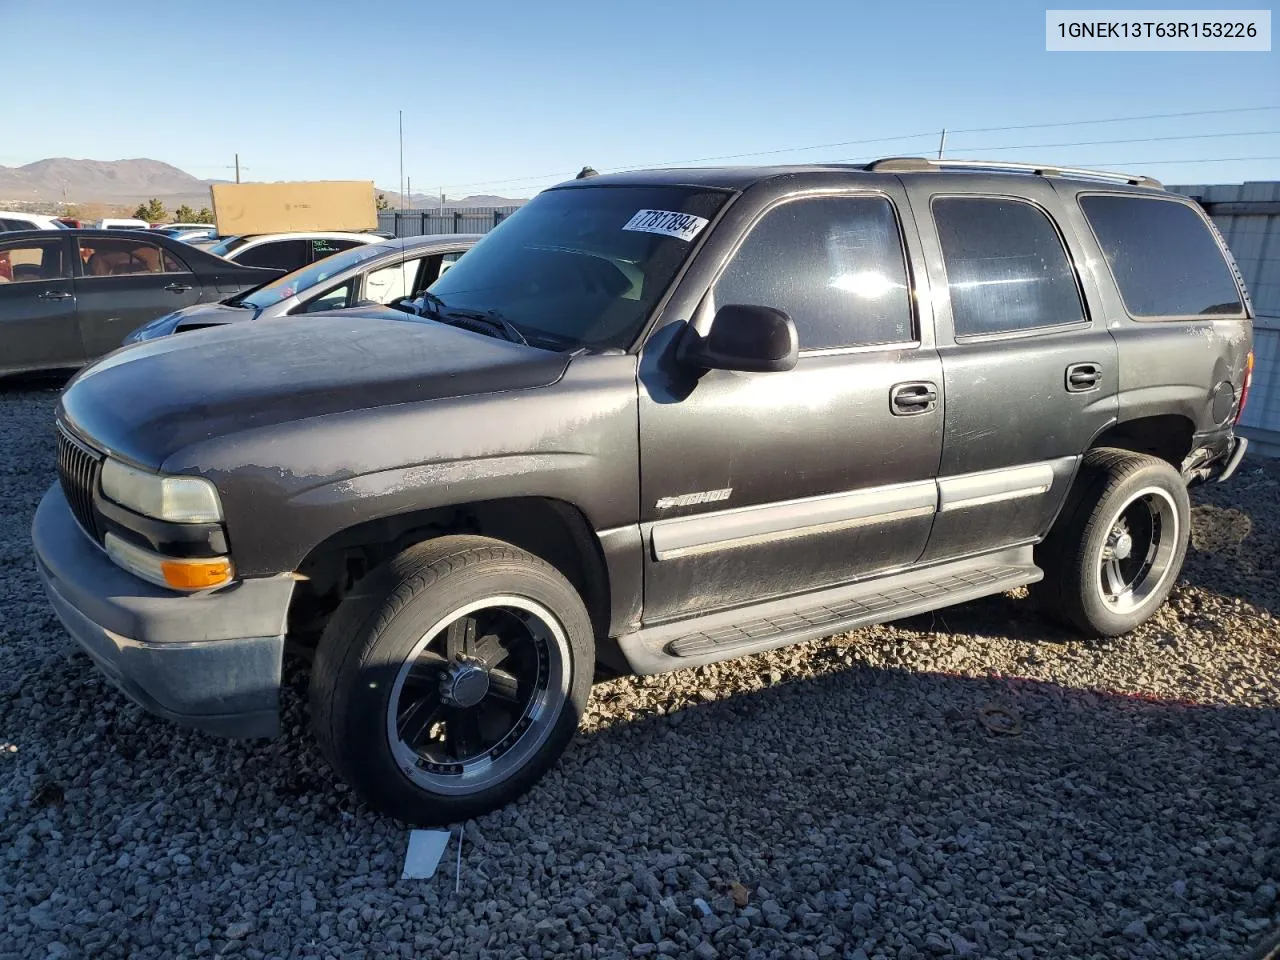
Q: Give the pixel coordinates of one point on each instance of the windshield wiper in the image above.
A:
(495, 320)
(433, 308)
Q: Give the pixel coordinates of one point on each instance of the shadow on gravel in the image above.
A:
(866, 808)
(34, 382)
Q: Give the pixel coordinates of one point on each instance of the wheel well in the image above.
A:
(553, 530)
(1167, 436)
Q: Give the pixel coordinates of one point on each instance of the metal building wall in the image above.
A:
(1248, 215)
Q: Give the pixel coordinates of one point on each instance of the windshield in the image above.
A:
(584, 265)
(307, 277)
(227, 245)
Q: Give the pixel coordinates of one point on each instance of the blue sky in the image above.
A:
(510, 97)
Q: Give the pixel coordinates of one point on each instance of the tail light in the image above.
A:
(1244, 391)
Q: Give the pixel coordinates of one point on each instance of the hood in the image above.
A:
(204, 314)
(148, 401)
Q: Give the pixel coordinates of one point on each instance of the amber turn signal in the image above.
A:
(196, 574)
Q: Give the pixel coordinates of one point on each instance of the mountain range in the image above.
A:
(131, 181)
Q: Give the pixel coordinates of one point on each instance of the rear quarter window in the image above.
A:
(1165, 260)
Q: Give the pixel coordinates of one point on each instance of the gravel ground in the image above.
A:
(973, 783)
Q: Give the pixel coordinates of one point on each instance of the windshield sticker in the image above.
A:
(682, 226)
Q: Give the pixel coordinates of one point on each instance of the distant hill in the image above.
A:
(102, 181)
(424, 201)
(132, 181)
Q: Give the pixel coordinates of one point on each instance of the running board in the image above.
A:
(778, 623)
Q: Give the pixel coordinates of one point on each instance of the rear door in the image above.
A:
(124, 284)
(38, 328)
(1030, 374)
(759, 485)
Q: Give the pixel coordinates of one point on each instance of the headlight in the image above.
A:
(177, 499)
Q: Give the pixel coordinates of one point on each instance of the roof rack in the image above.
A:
(923, 165)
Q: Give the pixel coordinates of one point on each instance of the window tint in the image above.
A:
(334, 299)
(1006, 266)
(14, 224)
(21, 262)
(835, 264)
(1164, 259)
(173, 265)
(323, 247)
(281, 254)
(115, 258)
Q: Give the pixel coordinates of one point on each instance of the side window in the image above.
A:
(390, 285)
(23, 262)
(835, 264)
(333, 299)
(1163, 257)
(1006, 266)
(173, 265)
(280, 254)
(109, 257)
(322, 247)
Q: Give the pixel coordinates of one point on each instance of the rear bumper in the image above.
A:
(210, 661)
(1232, 463)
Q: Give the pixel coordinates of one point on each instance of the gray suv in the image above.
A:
(652, 421)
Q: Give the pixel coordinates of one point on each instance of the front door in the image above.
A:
(124, 284)
(1030, 376)
(764, 484)
(38, 328)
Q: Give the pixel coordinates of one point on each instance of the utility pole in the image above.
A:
(408, 189)
(942, 143)
(237, 168)
(401, 161)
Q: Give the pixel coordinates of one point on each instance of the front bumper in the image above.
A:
(210, 661)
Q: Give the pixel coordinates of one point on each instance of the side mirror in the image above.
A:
(742, 337)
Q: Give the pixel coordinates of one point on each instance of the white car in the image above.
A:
(10, 220)
(288, 251)
(122, 223)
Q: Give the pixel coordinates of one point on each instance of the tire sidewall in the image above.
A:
(371, 677)
(1105, 620)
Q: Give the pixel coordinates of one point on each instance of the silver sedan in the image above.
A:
(381, 274)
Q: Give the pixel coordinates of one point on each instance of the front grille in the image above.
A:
(78, 469)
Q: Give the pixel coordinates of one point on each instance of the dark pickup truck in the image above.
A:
(651, 421)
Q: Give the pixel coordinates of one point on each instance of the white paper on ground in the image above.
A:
(426, 847)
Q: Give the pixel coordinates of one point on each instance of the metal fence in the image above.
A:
(1248, 215)
(435, 220)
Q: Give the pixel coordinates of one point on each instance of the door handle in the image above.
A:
(55, 295)
(909, 399)
(178, 287)
(1083, 377)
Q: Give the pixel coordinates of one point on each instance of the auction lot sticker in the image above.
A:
(682, 226)
(1158, 30)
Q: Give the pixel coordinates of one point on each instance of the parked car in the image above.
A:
(288, 251)
(182, 226)
(370, 274)
(68, 296)
(11, 221)
(662, 419)
(122, 223)
(188, 234)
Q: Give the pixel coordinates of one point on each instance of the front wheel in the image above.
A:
(1114, 553)
(452, 678)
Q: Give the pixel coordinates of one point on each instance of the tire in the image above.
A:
(1116, 493)
(397, 702)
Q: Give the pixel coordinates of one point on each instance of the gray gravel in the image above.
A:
(975, 783)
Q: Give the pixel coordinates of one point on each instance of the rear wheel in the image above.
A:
(452, 678)
(1116, 550)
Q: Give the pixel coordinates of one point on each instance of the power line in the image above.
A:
(908, 136)
(1096, 143)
